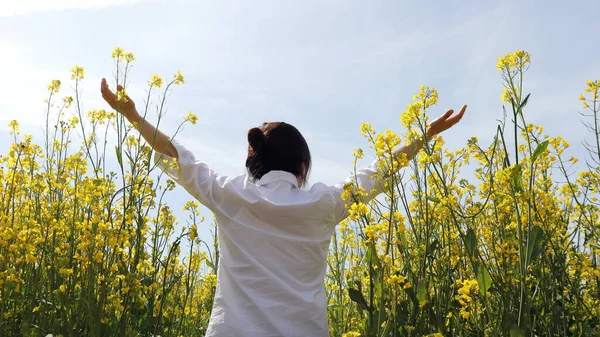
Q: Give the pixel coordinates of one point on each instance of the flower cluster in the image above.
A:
(85, 251)
(511, 249)
(494, 253)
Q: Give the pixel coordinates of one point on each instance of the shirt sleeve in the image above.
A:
(194, 176)
(370, 181)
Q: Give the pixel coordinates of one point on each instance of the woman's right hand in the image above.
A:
(127, 107)
(445, 122)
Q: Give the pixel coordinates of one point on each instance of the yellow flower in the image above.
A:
(13, 125)
(73, 121)
(366, 129)
(63, 288)
(119, 55)
(410, 116)
(211, 279)
(358, 153)
(65, 271)
(351, 334)
(509, 95)
(191, 205)
(122, 96)
(129, 57)
(505, 62)
(468, 287)
(517, 60)
(117, 52)
(77, 73)
(193, 232)
(178, 78)
(415, 113)
(347, 191)
(30, 258)
(373, 232)
(522, 57)
(68, 100)
(131, 140)
(98, 256)
(593, 88)
(191, 117)
(357, 210)
(155, 81)
(54, 86)
(395, 279)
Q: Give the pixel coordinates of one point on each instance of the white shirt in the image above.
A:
(274, 240)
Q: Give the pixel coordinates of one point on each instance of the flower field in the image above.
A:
(90, 247)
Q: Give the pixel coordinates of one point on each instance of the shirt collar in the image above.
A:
(276, 175)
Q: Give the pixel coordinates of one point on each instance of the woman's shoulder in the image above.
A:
(320, 188)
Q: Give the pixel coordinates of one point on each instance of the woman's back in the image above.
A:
(273, 240)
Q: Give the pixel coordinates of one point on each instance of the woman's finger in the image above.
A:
(456, 118)
(107, 94)
(104, 87)
(447, 114)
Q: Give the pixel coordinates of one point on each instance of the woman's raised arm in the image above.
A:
(159, 141)
(365, 177)
(439, 125)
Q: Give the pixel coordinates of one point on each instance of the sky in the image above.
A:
(324, 66)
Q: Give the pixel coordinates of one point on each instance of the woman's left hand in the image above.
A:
(445, 122)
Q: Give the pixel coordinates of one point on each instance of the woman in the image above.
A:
(273, 235)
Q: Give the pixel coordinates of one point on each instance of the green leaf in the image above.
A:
(421, 293)
(358, 297)
(379, 288)
(371, 256)
(524, 103)
(434, 199)
(210, 264)
(433, 246)
(372, 260)
(338, 309)
(401, 312)
(516, 178)
(376, 324)
(483, 279)
(470, 242)
(534, 244)
(26, 329)
(119, 156)
(541, 148)
(149, 159)
(515, 331)
(403, 242)
(412, 295)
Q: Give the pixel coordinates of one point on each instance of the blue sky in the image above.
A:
(324, 66)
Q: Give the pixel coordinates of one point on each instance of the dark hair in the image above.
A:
(277, 146)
